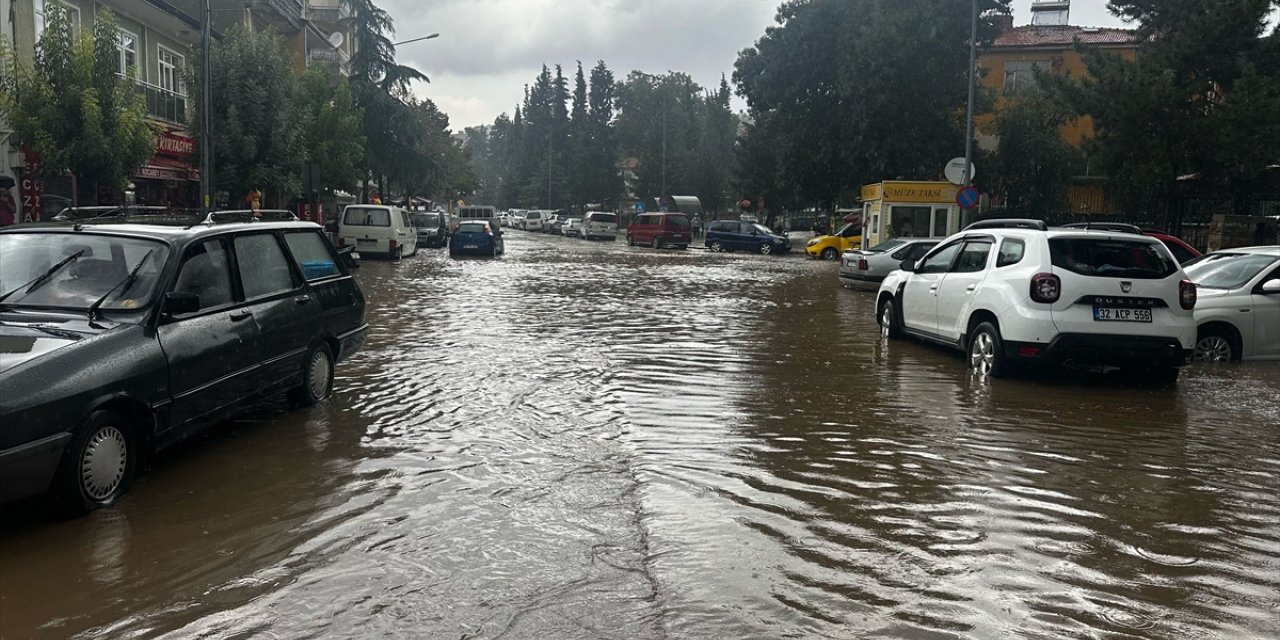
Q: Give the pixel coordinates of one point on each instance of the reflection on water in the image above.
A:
(588, 440)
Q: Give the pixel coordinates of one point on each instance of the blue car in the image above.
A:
(734, 235)
(476, 237)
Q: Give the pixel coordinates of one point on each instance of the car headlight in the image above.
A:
(812, 243)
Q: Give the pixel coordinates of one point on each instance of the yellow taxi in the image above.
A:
(830, 247)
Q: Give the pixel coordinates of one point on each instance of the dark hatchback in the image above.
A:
(477, 237)
(118, 339)
(734, 235)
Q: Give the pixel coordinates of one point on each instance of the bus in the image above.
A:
(474, 212)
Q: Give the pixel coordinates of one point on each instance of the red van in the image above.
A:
(659, 230)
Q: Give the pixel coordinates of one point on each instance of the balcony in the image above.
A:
(327, 14)
(163, 104)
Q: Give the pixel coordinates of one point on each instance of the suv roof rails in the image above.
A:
(249, 215)
(1009, 223)
(1114, 227)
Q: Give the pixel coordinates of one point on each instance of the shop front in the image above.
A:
(168, 178)
(901, 209)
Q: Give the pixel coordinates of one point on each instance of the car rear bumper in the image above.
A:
(27, 470)
(351, 342)
(1100, 350)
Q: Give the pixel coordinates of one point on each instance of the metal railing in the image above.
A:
(163, 104)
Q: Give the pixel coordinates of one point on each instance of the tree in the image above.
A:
(1033, 164)
(256, 143)
(73, 109)
(1199, 99)
(600, 181)
(856, 91)
(579, 141)
(330, 126)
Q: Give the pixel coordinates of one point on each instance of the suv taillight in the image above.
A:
(1046, 288)
(1187, 294)
(391, 246)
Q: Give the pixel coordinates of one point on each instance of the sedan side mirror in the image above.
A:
(1270, 287)
(908, 265)
(181, 303)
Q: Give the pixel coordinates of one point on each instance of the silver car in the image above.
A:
(865, 268)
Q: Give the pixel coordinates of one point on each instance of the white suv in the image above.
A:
(1011, 294)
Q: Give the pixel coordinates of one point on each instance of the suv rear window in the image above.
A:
(1110, 258)
(603, 218)
(678, 221)
(367, 218)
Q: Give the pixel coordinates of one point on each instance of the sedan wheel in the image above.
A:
(829, 253)
(717, 247)
(97, 464)
(1214, 347)
(317, 378)
(766, 248)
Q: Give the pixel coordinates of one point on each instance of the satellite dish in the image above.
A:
(336, 39)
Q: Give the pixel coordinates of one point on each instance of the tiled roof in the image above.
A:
(1040, 36)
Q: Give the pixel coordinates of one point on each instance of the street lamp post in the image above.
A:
(434, 35)
(973, 64)
(664, 134)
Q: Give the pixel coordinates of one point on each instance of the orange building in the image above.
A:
(1048, 44)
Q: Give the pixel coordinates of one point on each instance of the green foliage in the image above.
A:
(330, 127)
(1033, 164)
(73, 108)
(856, 91)
(1200, 98)
(256, 144)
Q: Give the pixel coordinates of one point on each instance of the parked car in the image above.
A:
(532, 220)
(732, 235)
(660, 230)
(121, 338)
(1238, 312)
(552, 224)
(598, 224)
(571, 227)
(476, 237)
(868, 267)
(1181, 251)
(432, 230)
(1078, 298)
(378, 230)
(830, 247)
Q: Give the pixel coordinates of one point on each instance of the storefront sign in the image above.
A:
(871, 192)
(174, 146)
(32, 188)
(324, 55)
(156, 173)
(922, 192)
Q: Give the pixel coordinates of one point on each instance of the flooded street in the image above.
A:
(587, 440)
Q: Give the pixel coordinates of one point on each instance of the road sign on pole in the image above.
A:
(638, 207)
(967, 197)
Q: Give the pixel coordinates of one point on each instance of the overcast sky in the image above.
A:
(489, 49)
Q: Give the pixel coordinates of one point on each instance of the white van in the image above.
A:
(598, 224)
(533, 220)
(378, 230)
(474, 212)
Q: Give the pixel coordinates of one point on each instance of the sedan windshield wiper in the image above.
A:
(44, 277)
(126, 283)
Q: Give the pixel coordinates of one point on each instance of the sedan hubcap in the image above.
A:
(103, 465)
(982, 355)
(1213, 349)
(319, 375)
(766, 249)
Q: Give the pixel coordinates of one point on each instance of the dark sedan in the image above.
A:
(117, 339)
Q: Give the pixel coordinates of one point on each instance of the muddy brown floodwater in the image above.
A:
(594, 441)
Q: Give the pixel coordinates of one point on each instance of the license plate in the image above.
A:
(365, 242)
(1109, 314)
(470, 246)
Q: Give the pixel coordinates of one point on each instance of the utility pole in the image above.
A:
(973, 68)
(548, 167)
(206, 118)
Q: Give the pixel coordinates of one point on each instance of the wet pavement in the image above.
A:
(586, 440)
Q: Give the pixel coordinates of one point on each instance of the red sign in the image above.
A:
(174, 145)
(32, 188)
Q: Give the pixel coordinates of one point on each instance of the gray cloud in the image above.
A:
(489, 49)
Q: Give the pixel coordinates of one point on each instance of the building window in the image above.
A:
(128, 47)
(73, 15)
(1020, 75)
(171, 68)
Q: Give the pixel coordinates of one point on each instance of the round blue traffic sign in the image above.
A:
(967, 197)
(638, 207)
